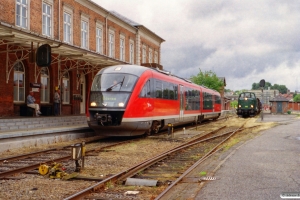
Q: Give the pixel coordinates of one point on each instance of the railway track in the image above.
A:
(167, 168)
(31, 161)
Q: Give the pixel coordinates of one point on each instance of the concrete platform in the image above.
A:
(33, 131)
(265, 167)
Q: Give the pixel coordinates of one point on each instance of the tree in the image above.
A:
(255, 86)
(208, 79)
(234, 104)
(281, 88)
(297, 98)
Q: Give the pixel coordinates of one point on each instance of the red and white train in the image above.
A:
(129, 100)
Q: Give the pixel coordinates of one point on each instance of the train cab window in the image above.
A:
(146, 91)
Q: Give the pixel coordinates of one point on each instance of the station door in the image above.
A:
(279, 107)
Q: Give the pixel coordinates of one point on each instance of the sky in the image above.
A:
(241, 40)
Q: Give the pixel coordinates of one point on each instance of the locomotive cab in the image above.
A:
(247, 105)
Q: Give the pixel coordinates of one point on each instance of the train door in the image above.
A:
(181, 96)
(83, 94)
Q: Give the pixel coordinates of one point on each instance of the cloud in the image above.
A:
(243, 41)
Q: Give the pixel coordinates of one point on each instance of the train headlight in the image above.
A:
(93, 104)
(121, 104)
(240, 106)
(251, 106)
(246, 99)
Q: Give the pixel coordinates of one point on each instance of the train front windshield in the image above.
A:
(111, 90)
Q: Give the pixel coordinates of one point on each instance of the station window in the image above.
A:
(67, 28)
(84, 34)
(19, 82)
(144, 54)
(47, 19)
(111, 44)
(131, 52)
(66, 88)
(45, 98)
(122, 48)
(22, 13)
(99, 40)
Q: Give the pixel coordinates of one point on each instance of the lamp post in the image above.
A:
(262, 85)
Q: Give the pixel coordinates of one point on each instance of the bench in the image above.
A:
(46, 109)
(26, 111)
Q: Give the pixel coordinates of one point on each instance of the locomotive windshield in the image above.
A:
(247, 95)
(111, 90)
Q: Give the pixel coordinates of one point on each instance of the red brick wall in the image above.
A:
(7, 15)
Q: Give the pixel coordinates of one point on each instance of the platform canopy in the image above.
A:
(14, 39)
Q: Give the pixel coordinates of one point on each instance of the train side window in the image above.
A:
(158, 89)
(171, 91)
(175, 88)
(146, 90)
(165, 90)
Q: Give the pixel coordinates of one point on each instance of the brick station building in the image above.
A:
(84, 37)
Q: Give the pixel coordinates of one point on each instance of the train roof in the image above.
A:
(139, 70)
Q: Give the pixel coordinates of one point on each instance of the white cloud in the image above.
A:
(243, 41)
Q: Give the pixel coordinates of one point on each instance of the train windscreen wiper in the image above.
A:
(114, 85)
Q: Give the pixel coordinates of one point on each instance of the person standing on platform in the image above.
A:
(31, 103)
(57, 102)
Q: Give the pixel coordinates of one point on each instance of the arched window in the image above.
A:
(66, 88)
(19, 82)
(45, 80)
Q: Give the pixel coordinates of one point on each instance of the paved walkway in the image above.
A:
(263, 168)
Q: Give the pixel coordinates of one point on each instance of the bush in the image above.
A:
(289, 112)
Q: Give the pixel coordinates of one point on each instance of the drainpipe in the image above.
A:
(58, 19)
(106, 40)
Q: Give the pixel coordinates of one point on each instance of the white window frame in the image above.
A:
(111, 44)
(45, 82)
(122, 47)
(19, 77)
(150, 56)
(144, 54)
(47, 25)
(155, 57)
(66, 88)
(131, 52)
(22, 18)
(68, 11)
(84, 34)
(99, 38)
(84, 31)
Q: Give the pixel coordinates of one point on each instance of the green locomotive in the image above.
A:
(248, 105)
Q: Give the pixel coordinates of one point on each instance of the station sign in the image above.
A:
(35, 85)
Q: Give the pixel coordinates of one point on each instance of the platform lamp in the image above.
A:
(262, 85)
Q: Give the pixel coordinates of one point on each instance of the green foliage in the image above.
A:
(255, 86)
(297, 98)
(281, 88)
(208, 79)
(233, 104)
